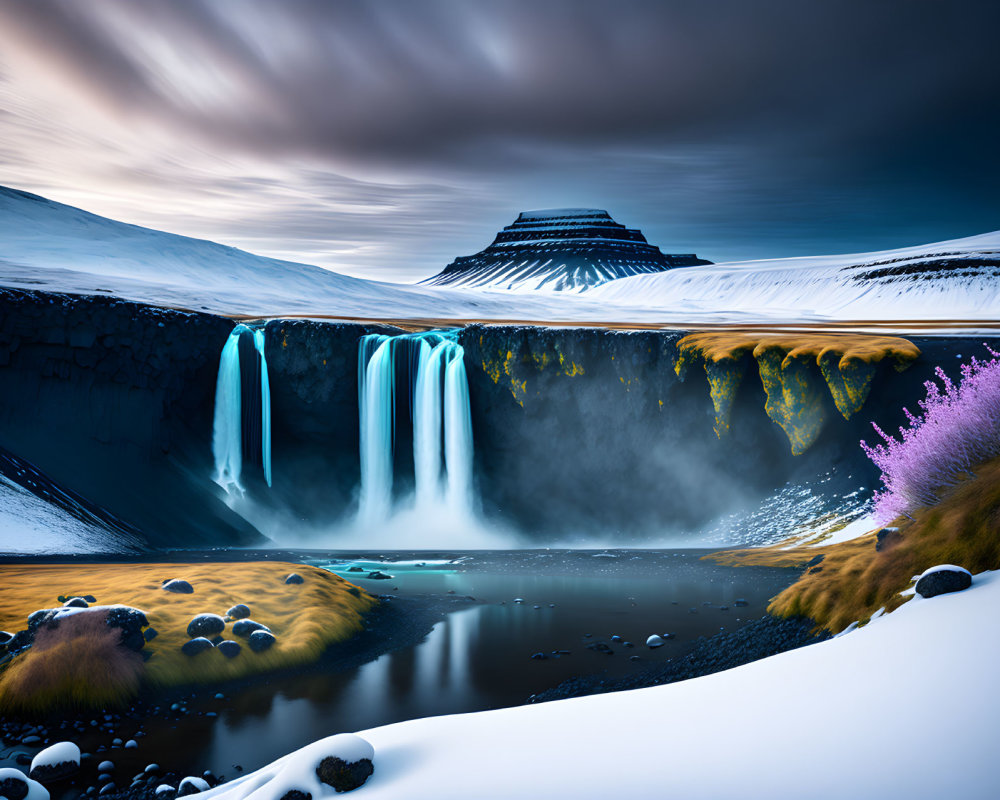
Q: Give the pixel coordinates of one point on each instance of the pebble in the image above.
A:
(131, 744)
(106, 766)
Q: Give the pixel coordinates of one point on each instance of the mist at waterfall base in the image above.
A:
(416, 486)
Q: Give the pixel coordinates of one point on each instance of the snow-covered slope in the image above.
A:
(905, 707)
(560, 250)
(958, 279)
(51, 246)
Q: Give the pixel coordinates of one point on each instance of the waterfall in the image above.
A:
(376, 402)
(427, 424)
(457, 432)
(227, 431)
(265, 406)
(439, 405)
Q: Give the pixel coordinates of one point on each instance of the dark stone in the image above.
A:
(294, 577)
(295, 794)
(814, 570)
(90, 598)
(196, 646)
(187, 787)
(239, 611)
(886, 538)
(13, 788)
(245, 627)
(76, 602)
(943, 581)
(178, 587)
(50, 773)
(356, 569)
(206, 625)
(37, 618)
(378, 575)
(229, 648)
(741, 603)
(150, 634)
(130, 621)
(812, 562)
(260, 641)
(5, 637)
(342, 775)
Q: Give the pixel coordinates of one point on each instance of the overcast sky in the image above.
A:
(385, 138)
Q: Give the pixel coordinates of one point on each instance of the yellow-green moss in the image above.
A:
(847, 363)
(306, 618)
(509, 369)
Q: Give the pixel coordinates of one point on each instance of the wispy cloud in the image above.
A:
(387, 138)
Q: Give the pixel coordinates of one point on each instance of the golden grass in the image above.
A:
(787, 365)
(855, 581)
(82, 663)
(306, 618)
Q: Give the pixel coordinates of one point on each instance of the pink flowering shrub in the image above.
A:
(958, 429)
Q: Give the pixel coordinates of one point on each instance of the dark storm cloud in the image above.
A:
(877, 119)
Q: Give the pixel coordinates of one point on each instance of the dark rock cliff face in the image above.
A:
(114, 401)
(578, 432)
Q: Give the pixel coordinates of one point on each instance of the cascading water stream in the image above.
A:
(227, 430)
(265, 406)
(442, 422)
(376, 401)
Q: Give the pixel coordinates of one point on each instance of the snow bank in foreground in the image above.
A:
(905, 707)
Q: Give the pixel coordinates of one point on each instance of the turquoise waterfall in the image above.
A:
(227, 429)
(441, 415)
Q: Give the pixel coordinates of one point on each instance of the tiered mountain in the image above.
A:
(560, 249)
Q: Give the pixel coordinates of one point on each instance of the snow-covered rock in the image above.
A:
(943, 579)
(15, 785)
(177, 586)
(318, 769)
(654, 641)
(55, 762)
(192, 785)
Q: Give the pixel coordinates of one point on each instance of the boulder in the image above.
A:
(886, 537)
(195, 646)
(260, 641)
(943, 579)
(13, 784)
(55, 763)
(245, 627)
(192, 785)
(178, 586)
(239, 611)
(296, 794)
(206, 625)
(378, 575)
(229, 648)
(294, 577)
(130, 621)
(349, 765)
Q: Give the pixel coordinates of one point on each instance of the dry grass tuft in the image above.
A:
(855, 581)
(306, 618)
(79, 664)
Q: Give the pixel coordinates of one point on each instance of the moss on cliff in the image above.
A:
(513, 369)
(846, 363)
